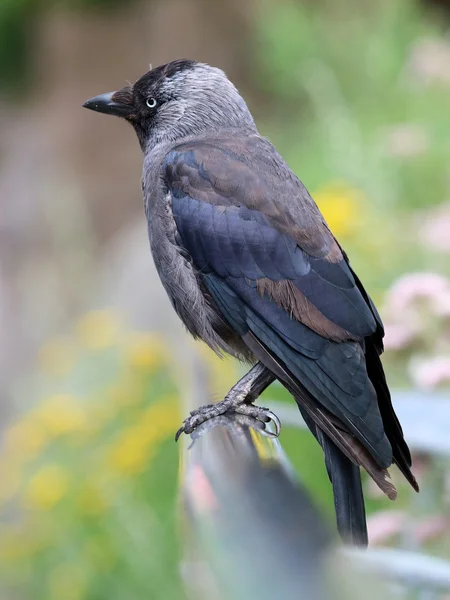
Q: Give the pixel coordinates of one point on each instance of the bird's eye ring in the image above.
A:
(151, 102)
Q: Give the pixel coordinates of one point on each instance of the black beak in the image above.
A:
(106, 103)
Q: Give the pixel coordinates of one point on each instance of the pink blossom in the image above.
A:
(441, 305)
(430, 61)
(416, 286)
(434, 230)
(431, 373)
(384, 525)
(431, 528)
(407, 140)
(398, 336)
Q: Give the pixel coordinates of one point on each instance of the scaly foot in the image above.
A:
(238, 400)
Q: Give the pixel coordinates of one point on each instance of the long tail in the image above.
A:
(345, 478)
(348, 495)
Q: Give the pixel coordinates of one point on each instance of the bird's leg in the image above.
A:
(238, 400)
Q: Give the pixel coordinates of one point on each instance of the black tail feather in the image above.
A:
(345, 478)
(348, 495)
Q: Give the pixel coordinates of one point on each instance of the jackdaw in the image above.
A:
(252, 268)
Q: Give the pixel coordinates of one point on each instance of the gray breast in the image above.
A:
(182, 283)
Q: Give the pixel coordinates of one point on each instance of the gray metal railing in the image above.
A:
(252, 532)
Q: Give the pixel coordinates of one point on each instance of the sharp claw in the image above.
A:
(263, 431)
(178, 433)
(186, 428)
(267, 434)
(276, 422)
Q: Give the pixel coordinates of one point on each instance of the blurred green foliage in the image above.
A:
(89, 473)
(349, 107)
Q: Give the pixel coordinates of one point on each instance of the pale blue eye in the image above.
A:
(151, 102)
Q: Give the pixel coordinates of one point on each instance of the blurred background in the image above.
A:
(94, 367)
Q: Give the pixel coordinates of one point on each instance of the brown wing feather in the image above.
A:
(285, 294)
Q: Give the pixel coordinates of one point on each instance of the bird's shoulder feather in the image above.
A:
(248, 171)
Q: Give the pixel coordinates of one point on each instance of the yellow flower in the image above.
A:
(159, 418)
(342, 207)
(57, 357)
(67, 581)
(47, 487)
(60, 414)
(130, 454)
(98, 329)
(146, 351)
(137, 444)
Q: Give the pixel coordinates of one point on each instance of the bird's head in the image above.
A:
(176, 100)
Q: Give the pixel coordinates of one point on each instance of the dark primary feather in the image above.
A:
(373, 349)
(276, 274)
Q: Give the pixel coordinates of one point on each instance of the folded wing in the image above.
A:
(277, 275)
